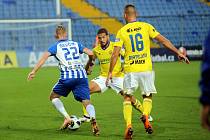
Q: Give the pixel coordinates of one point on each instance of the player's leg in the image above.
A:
(82, 93)
(137, 105)
(130, 85)
(117, 86)
(91, 112)
(58, 91)
(96, 85)
(134, 102)
(55, 99)
(147, 105)
(127, 112)
(146, 82)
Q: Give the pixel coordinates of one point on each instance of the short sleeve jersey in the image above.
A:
(104, 56)
(135, 37)
(68, 54)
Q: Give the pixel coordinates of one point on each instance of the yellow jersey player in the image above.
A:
(135, 37)
(102, 51)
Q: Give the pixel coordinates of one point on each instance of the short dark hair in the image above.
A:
(128, 6)
(102, 30)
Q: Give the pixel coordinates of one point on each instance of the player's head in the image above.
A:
(130, 13)
(103, 36)
(60, 32)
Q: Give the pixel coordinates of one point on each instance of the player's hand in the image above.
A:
(31, 75)
(89, 71)
(109, 77)
(96, 42)
(183, 58)
(205, 114)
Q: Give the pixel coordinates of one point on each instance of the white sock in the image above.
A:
(59, 106)
(91, 111)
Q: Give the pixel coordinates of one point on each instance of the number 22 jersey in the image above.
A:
(68, 54)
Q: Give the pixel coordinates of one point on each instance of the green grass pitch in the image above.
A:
(27, 114)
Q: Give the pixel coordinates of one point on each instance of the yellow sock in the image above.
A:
(147, 106)
(127, 111)
(138, 106)
(84, 111)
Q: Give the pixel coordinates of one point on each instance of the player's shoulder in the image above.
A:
(97, 47)
(111, 43)
(137, 23)
(73, 42)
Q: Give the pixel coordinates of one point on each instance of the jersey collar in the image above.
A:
(106, 46)
(132, 21)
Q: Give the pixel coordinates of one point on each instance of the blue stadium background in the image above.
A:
(184, 22)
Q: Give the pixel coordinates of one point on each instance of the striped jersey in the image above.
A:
(68, 52)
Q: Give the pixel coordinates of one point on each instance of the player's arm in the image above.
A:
(91, 58)
(90, 64)
(166, 43)
(44, 57)
(96, 42)
(114, 57)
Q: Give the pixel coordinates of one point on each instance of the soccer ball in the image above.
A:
(76, 123)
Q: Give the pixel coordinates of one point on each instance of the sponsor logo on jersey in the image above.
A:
(129, 30)
(138, 61)
(138, 56)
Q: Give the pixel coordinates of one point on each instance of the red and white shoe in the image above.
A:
(128, 133)
(147, 125)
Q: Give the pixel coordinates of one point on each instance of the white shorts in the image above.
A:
(144, 80)
(116, 84)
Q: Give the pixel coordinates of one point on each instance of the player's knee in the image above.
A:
(127, 98)
(91, 89)
(86, 102)
(149, 96)
(126, 93)
(53, 95)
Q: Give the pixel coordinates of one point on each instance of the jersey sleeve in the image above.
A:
(119, 39)
(152, 31)
(53, 49)
(81, 48)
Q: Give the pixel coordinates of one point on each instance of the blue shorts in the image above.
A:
(79, 87)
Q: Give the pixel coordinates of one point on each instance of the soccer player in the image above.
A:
(205, 85)
(135, 37)
(73, 76)
(102, 51)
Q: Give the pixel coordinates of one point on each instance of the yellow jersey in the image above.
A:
(136, 37)
(104, 57)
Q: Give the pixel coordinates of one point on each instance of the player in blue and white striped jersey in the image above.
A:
(73, 75)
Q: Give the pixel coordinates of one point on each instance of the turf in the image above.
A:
(27, 114)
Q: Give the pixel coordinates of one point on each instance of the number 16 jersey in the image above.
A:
(136, 37)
